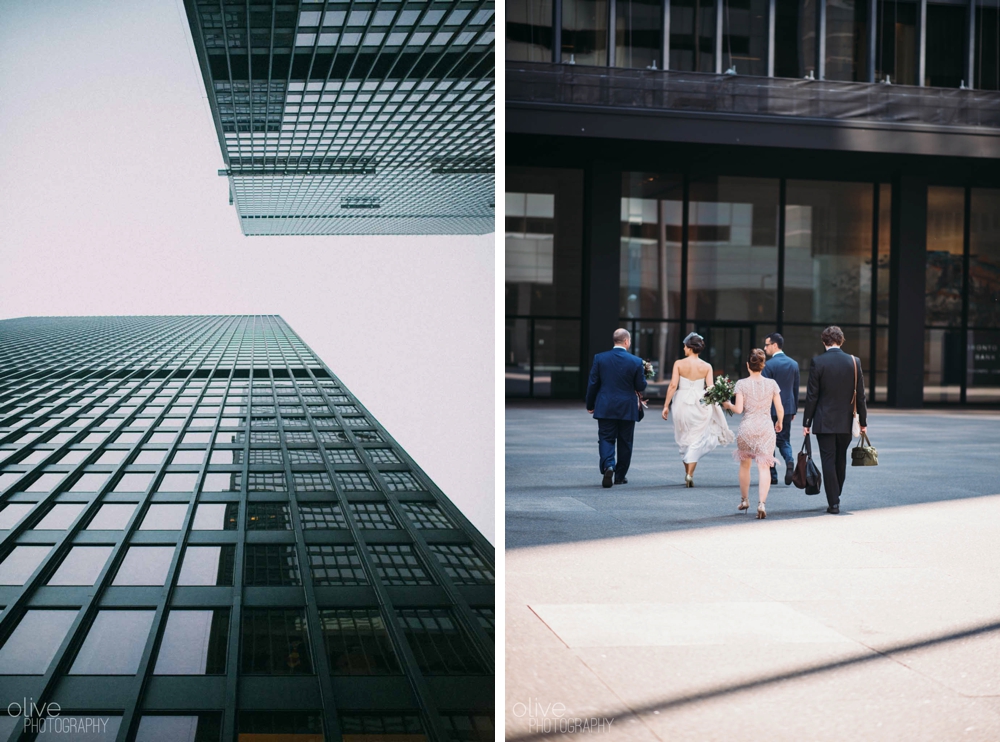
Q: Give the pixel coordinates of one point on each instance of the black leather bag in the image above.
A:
(642, 406)
(806, 475)
(864, 454)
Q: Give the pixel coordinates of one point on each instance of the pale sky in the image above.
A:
(110, 203)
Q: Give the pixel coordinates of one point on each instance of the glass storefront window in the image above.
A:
(732, 249)
(943, 349)
(984, 258)
(692, 35)
(638, 33)
(652, 211)
(847, 40)
(896, 48)
(828, 252)
(946, 33)
(556, 371)
(945, 226)
(983, 366)
(529, 30)
(585, 32)
(795, 38)
(744, 41)
(517, 358)
(544, 240)
(884, 243)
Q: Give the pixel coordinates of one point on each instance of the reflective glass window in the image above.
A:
(216, 517)
(795, 38)
(744, 40)
(12, 514)
(692, 35)
(111, 517)
(638, 33)
(207, 565)
(60, 517)
(82, 566)
(145, 565)
(162, 517)
(194, 643)
(21, 563)
(32, 645)
(585, 32)
(847, 40)
(114, 644)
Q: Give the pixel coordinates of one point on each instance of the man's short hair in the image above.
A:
(832, 335)
(775, 337)
(621, 335)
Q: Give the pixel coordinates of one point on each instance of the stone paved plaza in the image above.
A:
(654, 612)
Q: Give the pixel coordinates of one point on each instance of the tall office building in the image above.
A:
(205, 536)
(738, 167)
(352, 118)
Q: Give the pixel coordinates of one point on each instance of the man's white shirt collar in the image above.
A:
(620, 347)
(834, 346)
(776, 353)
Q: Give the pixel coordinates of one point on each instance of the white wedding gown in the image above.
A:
(698, 428)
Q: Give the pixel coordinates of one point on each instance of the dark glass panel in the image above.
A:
(585, 32)
(652, 207)
(638, 33)
(945, 226)
(984, 259)
(946, 29)
(828, 252)
(987, 54)
(795, 38)
(847, 40)
(896, 48)
(744, 41)
(692, 35)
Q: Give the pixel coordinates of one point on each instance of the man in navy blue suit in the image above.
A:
(616, 379)
(784, 370)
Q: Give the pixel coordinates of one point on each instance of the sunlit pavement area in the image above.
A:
(654, 612)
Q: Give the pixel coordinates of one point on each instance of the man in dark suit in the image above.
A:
(616, 378)
(784, 370)
(829, 410)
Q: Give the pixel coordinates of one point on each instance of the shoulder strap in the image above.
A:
(854, 396)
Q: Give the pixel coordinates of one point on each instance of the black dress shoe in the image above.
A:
(609, 475)
(788, 475)
(774, 479)
(623, 480)
(833, 509)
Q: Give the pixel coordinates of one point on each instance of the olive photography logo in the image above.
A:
(45, 718)
(548, 717)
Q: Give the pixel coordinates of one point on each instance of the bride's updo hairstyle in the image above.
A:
(695, 342)
(756, 360)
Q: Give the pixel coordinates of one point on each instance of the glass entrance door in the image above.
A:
(727, 345)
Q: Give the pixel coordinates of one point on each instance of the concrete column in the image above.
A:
(907, 268)
(602, 197)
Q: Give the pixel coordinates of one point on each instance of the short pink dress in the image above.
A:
(755, 437)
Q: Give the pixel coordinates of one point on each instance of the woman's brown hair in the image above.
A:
(757, 359)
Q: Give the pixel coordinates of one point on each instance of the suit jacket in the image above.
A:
(828, 395)
(784, 370)
(615, 377)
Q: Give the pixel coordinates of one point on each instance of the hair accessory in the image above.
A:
(693, 336)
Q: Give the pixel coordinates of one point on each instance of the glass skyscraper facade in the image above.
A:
(205, 536)
(353, 117)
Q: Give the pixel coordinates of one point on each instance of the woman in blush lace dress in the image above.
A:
(698, 428)
(755, 437)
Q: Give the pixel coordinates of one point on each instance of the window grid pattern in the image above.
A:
(357, 643)
(462, 564)
(335, 564)
(438, 643)
(373, 515)
(339, 146)
(426, 515)
(144, 397)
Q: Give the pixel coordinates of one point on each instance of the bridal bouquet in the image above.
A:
(647, 369)
(721, 391)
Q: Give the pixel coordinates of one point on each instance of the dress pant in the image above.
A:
(610, 432)
(784, 444)
(833, 453)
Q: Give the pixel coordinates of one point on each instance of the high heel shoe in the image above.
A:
(688, 480)
(743, 506)
(761, 513)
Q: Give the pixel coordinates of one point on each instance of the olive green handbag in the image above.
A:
(864, 454)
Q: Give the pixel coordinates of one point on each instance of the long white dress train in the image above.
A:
(698, 428)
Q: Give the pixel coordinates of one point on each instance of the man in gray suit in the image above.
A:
(829, 412)
(784, 370)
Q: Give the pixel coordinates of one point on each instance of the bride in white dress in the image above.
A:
(698, 428)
